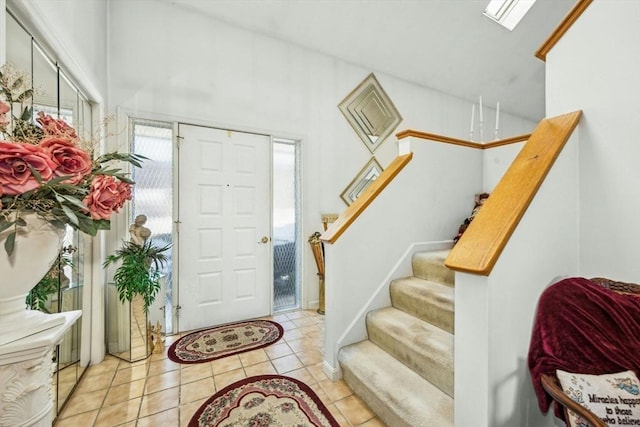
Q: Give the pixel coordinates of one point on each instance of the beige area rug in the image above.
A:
(222, 341)
(264, 401)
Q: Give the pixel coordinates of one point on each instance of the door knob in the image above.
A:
(264, 239)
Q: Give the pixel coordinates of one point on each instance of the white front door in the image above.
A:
(224, 271)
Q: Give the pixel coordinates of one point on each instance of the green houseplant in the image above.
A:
(139, 271)
(38, 296)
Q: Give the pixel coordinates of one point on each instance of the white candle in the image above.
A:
(473, 113)
(481, 109)
(498, 115)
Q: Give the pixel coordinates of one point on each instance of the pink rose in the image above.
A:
(107, 195)
(70, 160)
(4, 109)
(15, 159)
(56, 127)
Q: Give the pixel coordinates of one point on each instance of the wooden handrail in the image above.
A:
(506, 141)
(434, 137)
(455, 141)
(561, 29)
(482, 243)
(354, 210)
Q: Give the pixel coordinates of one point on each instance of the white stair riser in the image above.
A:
(430, 266)
(427, 301)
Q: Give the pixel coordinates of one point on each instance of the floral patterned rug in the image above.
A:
(226, 340)
(262, 401)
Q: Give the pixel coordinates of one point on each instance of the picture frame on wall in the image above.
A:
(362, 180)
(370, 112)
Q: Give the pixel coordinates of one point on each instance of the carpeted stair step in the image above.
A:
(419, 345)
(398, 396)
(429, 301)
(430, 266)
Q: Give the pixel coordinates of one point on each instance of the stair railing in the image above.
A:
(566, 23)
(335, 230)
(406, 207)
(480, 246)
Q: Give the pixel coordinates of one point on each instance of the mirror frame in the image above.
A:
(370, 112)
(361, 182)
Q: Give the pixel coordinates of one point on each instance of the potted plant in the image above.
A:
(139, 271)
(48, 285)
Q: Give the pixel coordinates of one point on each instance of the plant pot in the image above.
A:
(37, 246)
(127, 327)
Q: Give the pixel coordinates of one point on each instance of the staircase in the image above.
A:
(404, 371)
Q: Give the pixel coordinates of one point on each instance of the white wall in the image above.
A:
(74, 33)
(595, 67)
(494, 314)
(495, 162)
(168, 62)
(3, 31)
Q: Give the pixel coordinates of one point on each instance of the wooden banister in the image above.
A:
(561, 29)
(354, 210)
(506, 141)
(439, 138)
(455, 141)
(481, 244)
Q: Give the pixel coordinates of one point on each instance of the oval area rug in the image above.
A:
(226, 340)
(264, 400)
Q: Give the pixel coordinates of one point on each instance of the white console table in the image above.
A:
(26, 368)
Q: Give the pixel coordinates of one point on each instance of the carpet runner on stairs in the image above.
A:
(404, 371)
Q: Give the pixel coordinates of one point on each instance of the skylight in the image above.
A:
(508, 12)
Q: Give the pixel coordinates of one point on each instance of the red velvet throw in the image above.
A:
(582, 327)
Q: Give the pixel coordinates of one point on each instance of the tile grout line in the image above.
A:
(303, 344)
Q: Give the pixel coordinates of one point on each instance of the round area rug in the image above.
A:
(262, 401)
(226, 340)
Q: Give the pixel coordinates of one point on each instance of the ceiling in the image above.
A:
(447, 45)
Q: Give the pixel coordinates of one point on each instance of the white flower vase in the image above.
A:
(37, 246)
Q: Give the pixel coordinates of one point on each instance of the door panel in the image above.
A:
(224, 211)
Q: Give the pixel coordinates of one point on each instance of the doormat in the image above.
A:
(264, 400)
(226, 340)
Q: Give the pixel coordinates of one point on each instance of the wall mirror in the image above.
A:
(62, 288)
(370, 112)
(363, 179)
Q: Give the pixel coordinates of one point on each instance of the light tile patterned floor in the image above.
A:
(159, 392)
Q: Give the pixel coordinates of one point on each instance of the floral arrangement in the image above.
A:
(46, 168)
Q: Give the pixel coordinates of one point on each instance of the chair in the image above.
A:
(552, 386)
(599, 316)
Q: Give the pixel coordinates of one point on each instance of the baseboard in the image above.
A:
(334, 374)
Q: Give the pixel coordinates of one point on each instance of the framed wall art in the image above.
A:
(370, 112)
(363, 179)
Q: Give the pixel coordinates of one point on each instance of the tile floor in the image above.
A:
(159, 392)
